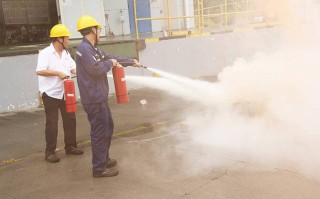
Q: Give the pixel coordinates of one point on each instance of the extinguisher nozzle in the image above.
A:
(155, 75)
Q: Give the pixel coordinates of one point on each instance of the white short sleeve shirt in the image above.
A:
(49, 59)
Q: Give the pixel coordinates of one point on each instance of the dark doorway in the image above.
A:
(26, 21)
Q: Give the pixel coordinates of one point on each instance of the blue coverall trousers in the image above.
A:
(100, 119)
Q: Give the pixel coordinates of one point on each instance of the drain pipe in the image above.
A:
(58, 11)
(186, 13)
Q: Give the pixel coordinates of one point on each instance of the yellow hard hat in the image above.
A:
(59, 30)
(87, 21)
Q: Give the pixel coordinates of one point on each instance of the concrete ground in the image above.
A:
(156, 159)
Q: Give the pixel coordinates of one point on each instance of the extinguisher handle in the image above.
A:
(70, 77)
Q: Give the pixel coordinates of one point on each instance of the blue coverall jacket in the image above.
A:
(92, 66)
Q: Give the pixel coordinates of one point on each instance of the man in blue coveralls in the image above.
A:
(92, 66)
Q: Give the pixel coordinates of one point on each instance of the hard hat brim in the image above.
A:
(56, 36)
(98, 25)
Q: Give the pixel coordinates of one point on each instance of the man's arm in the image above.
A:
(48, 73)
(92, 65)
(124, 61)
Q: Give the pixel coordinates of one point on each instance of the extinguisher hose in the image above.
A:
(131, 63)
(72, 77)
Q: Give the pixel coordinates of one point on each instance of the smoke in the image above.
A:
(272, 114)
(262, 110)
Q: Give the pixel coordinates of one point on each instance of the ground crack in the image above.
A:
(211, 180)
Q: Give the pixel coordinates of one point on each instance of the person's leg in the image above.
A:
(110, 130)
(51, 107)
(110, 162)
(69, 127)
(98, 116)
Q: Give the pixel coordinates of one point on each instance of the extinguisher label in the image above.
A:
(70, 95)
(123, 79)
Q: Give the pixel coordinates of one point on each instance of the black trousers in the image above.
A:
(52, 106)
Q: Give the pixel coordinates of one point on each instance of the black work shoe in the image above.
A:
(106, 173)
(74, 151)
(111, 163)
(52, 158)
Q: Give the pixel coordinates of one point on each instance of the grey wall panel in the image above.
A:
(19, 82)
(96, 9)
(156, 9)
(73, 9)
(19, 85)
(207, 55)
(70, 12)
(114, 8)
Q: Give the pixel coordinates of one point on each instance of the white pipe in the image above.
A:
(103, 18)
(186, 13)
(58, 11)
(61, 12)
(82, 9)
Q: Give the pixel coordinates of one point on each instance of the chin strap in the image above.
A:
(64, 48)
(96, 42)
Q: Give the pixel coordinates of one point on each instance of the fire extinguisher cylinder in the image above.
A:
(120, 84)
(70, 96)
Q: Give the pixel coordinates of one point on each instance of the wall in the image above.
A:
(71, 10)
(114, 8)
(19, 82)
(192, 57)
(207, 55)
(19, 85)
(179, 8)
(157, 10)
(189, 11)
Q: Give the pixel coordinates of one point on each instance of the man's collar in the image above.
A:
(51, 47)
(87, 41)
(53, 50)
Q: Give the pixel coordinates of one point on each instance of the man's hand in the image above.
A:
(74, 71)
(62, 76)
(114, 62)
(136, 63)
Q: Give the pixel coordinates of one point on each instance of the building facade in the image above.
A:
(29, 21)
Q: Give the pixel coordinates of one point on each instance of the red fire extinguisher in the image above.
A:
(70, 96)
(120, 84)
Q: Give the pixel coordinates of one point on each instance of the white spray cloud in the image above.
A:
(283, 93)
(183, 87)
(264, 110)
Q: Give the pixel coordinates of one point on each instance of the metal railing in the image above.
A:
(169, 18)
(223, 15)
(227, 11)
